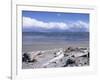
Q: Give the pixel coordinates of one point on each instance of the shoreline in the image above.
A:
(35, 46)
(59, 57)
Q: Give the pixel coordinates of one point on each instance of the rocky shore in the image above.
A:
(62, 57)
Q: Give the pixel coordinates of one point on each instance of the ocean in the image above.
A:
(48, 40)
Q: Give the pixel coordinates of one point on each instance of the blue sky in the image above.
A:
(55, 21)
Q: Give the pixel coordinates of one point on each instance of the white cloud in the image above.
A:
(31, 23)
(79, 25)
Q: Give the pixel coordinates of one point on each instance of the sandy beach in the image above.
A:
(36, 46)
(54, 41)
(42, 51)
(54, 56)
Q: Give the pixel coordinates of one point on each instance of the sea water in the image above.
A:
(44, 40)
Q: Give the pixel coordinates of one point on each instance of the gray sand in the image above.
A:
(62, 57)
(36, 46)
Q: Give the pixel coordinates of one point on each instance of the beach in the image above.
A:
(55, 39)
(35, 46)
(61, 57)
(40, 50)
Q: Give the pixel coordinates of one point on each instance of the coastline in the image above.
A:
(36, 46)
(55, 52)
(57, 57)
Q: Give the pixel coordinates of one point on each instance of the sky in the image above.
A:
(40, 21)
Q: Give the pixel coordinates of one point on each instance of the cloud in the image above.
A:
(79, 26)
(30, 23)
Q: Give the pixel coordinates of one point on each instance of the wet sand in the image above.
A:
(36, 46)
